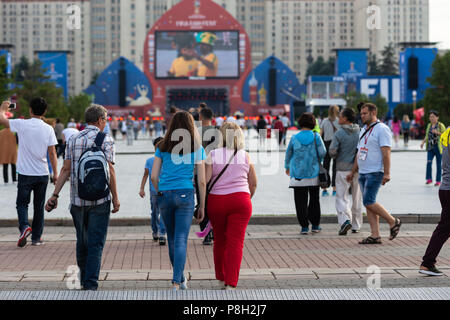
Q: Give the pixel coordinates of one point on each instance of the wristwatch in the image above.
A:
(159, 193)
(55, 195)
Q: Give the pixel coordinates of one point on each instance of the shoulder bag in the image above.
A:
(211, 185)
(324, 176)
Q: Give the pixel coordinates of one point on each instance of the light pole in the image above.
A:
(414, 96)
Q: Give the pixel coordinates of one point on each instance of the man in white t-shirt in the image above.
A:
(219, 121)
(373, 161)
(36, 140)
(66, 134)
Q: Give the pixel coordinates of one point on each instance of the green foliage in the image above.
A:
(78, 104)
(388, 64)
(372, 64)
(35, 84)
(20, 69)
(320, 67)
(354, 98)
(437, 97)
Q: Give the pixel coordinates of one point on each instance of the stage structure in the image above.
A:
(198, 52)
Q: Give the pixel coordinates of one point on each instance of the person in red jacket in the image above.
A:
(278, 125)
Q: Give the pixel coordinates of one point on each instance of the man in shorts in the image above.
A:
(373, 162)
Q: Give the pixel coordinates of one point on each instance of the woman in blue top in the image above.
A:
(172, 176)
(302, 166)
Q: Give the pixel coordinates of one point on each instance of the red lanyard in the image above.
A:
(367, 138)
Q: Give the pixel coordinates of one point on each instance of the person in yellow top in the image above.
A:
(186, 65)
(209, 63)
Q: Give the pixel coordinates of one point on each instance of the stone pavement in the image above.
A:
(275, 257)
(405, 194)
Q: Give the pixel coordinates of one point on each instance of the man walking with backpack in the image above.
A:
(89, 162)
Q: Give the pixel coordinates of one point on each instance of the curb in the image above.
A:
(255, 220)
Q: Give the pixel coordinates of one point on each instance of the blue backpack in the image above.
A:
(93, 172)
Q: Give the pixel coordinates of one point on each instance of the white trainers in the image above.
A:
(183, 285)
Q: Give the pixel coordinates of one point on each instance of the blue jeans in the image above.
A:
(370, 183)
(25, 185)
(157, 221)
(91, 224)
(431, 154)
(177, 210)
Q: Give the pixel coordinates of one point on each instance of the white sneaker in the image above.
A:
(230, 288)
(183, 285)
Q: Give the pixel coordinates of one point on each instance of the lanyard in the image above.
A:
(367, 131)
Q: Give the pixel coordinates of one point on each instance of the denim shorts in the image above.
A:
(370, 183)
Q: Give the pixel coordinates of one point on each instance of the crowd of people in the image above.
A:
(204, 172)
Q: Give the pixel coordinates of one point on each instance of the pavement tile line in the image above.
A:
(442, 293)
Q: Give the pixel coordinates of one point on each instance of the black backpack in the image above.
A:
(93, 172)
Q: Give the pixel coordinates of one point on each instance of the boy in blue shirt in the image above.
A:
(157, 222)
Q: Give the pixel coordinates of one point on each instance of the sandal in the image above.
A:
(395, 229)
(371, 240)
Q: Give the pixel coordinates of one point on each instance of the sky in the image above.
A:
(440, 23)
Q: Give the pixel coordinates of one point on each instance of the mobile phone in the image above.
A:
(12, 106)
(51, 204)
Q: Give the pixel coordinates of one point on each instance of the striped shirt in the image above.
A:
(77, 144)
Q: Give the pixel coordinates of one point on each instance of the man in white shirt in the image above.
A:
(373, 162)
(66, 134)
(231, 119)
(36, 139)
(219, 121)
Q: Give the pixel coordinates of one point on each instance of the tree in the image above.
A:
(320, 67)
(35, 84)
(388, 64)
(78, 104)
(437, 97)
(20, 68)
(354, 98)
(4, 80)
(373, 65)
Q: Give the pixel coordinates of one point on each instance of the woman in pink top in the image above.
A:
(229, 203)
(395, 127)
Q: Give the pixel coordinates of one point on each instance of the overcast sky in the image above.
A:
(440, 22)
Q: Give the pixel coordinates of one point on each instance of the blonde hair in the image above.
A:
(333, 112)
(232, 136)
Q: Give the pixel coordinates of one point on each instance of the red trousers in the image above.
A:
(229, 215)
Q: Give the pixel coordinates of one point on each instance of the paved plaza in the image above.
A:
(278, 262)
(405, 194)
(275, 257)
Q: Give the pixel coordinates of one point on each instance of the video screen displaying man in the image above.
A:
(204, 54)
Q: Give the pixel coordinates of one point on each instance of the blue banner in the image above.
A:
(425, 58)
(55, 66)
(351, 64)
(386, 86)
(7, 55)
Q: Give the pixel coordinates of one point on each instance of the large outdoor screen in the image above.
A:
(197, 55)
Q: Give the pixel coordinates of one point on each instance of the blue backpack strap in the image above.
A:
(99, 139)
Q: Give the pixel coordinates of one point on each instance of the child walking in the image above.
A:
(158, 228)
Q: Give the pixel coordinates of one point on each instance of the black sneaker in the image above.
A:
(433, 271)
(162, 241)
(344, 228)
(23, 237)
(207, 241)
(37, 242)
